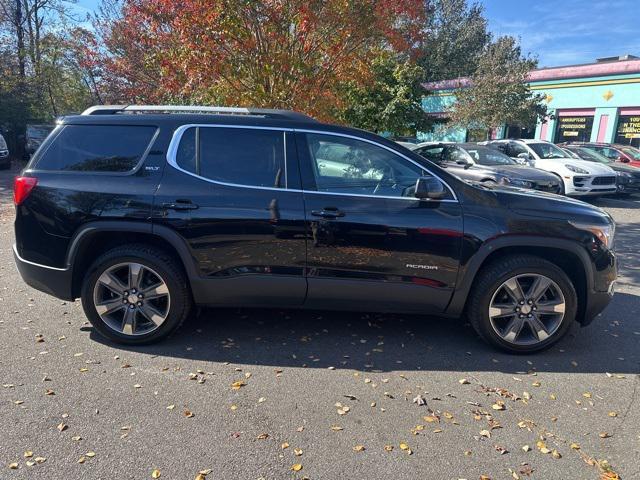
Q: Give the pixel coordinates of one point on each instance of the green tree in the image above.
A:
(456, 35)
(498, 93)
(391, 102)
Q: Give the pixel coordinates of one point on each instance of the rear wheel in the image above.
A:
(135, 294)
(522, 304)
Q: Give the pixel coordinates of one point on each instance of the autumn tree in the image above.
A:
(499, 93)
(291, 54)
(391, 102)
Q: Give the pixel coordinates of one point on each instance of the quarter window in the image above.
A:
(345, 165)
(242, 156)
(97, 148)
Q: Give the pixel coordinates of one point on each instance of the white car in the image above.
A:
(579, 177)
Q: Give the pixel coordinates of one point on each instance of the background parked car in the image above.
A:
(628, 180)
(579, 177)
(35, 135)
(616, 152)
(5, 160)
(473, 162)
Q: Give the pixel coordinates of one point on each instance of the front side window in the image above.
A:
(547, 150)
(516, 149)
(241, 156)
(345, 165)
(456, 155)
(97, 148)
(488, 156)
(431, 152)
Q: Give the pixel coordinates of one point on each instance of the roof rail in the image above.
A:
(262, 112)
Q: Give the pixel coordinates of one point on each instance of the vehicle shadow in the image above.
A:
(382, 343)
(628, 253)
(631, 202)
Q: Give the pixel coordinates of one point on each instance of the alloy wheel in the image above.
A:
(131, 298)
(527, 309)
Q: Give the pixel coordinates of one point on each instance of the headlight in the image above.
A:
(576, 169)
(604, 233)
(517, 182)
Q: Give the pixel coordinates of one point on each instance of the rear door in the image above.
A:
(373, 244)
(233, 193)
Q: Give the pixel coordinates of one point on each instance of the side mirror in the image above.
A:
(465, 163)
(623, 159)
(430, 188)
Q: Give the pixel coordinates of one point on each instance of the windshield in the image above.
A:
(487, 156)
(3, 144)
(547, 150)
(632, 152)
(590, 155)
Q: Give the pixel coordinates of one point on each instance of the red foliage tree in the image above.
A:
(270, 53)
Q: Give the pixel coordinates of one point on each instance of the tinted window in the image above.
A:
(488, 156)
(345, 165)
(242, 156)
(516, 149)
(456, 155)
(97, 148)
(432, 152)
(547, 150)
(186, 154)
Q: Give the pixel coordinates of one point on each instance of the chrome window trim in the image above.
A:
(177, 136)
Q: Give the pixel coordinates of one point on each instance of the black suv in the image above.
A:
(144, 211)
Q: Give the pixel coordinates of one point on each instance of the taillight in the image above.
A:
(22, 187)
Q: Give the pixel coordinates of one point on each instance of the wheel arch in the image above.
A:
(567, 255)
(94, 238)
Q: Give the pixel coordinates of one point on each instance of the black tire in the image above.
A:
(489, 280)
(161, 263)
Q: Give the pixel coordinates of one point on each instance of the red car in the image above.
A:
(615, 151)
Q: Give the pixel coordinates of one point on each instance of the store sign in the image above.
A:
(628, 129)
(574, 129)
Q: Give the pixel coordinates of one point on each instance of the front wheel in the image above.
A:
(135, 294)
(522, 304)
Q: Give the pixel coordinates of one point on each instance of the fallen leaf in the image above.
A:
(62, 427)
(526, 448)
(284, 445)
(297, 452)
(49, 392)
(388, 448)
(296, 467)
(90, 454)
(171, 407)
(604, 435)
(238, 385)
(613, 414)
(556, 454)
(13, 466)
(463, 381)
(28, 454)
(500, 449)
(359, 448)
(498, 405)
(188, 413)
(485, 433)
(336, 428)
(262, 436)
(155, 473)
(419, 400)
(575, 446)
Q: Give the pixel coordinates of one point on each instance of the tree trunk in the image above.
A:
(20, 40)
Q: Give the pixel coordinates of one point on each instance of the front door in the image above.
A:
(233, 194)
(372, 243)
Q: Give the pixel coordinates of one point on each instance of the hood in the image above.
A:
(548, 205)
(593, 168)
(621, 167)
(525, 172)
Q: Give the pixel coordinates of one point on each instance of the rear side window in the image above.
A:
(242, 156)
(97, 148)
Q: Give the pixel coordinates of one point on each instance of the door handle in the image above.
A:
(180, 205)
(328, 212)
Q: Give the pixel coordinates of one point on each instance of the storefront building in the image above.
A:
(596, 102)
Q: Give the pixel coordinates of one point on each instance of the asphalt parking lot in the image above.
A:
(249, 394)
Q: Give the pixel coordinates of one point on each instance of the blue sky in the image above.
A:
(565, 32)
(557, 32)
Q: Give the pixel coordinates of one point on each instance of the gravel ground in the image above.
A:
(73, 406)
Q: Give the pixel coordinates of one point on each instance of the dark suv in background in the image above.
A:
(144, 211)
